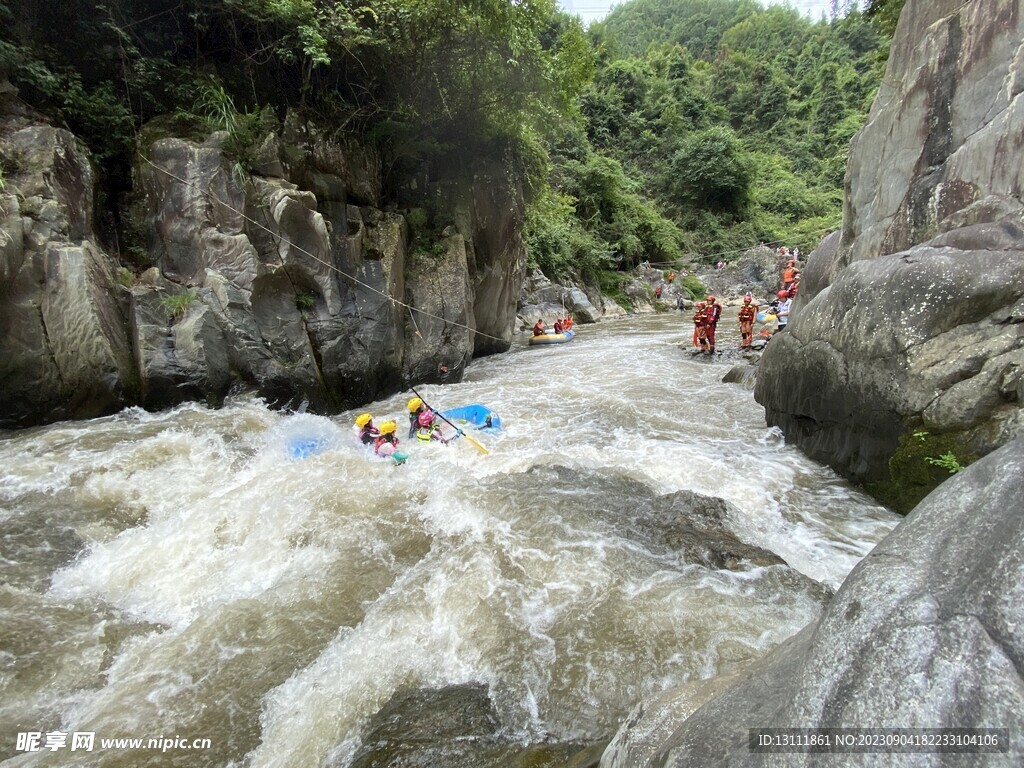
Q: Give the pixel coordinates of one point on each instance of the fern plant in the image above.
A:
(948, 461)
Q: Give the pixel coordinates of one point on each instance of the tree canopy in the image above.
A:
(675, 129)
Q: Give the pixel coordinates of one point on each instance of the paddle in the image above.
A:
(458, 430)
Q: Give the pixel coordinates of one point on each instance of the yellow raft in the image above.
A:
(552, 338)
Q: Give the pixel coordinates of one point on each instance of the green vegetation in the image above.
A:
(438, 85)
(693, 286)
(177, 304)
(921, 462)
(305, 301)
(947, 461)
(675, 130)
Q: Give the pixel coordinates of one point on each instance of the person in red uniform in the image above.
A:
(700, 337)
(713, 312)
(748, 312)
(789, 275)
(795, 287)
(538, 328)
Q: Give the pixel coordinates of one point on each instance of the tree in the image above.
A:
(710, 169)
(885, 13)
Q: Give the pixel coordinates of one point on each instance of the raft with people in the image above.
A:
(550, 337)
(560, 333)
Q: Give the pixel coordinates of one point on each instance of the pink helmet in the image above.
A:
(426, 418)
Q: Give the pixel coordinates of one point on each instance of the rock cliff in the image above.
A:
(910, 324)
(294, 277)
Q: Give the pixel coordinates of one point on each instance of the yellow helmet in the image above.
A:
(414, 405)
(387, 427)
(363, 419)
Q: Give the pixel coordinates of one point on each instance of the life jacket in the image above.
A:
(747, 313)
(700, 315)
(712, 314)
(789, 274)
(428, 433)
(368, 435)
(384, 447)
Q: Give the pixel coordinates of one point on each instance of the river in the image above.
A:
(179, 574)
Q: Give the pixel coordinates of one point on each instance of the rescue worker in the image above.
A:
(713, 312)
(367, 432)
(423, 422)
(747, 314)
(671, 276)
(795, 287)
(700, 336)
(789, 274)
(538, 328)
(386, 443)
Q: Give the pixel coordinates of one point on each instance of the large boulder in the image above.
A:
(908, 326)
(65, 351)
(946, 127)
(924, 633)
(542, 299)
(931, 339)
(293, 279)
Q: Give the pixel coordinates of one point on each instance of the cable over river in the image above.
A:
(181, 575)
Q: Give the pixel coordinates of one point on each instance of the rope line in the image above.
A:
(770, 245)
(316, 258)
(392, 299)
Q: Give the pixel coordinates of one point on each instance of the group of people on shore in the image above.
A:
(423, 425)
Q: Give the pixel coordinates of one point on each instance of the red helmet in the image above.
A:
(711, 298)
(783, 294)
(791, 262)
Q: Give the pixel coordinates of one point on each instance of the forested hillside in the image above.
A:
(710, 126)
(433, 84)
(676, 129)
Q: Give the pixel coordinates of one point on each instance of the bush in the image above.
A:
(711, 170)
(177, 304)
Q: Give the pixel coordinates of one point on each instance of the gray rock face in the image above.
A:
(544, 300)
(924, 633)
(945, 129)
(911, 319)
(65, 351)
(931, 337)
(291, 281)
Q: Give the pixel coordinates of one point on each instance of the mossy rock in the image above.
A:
(911, 475)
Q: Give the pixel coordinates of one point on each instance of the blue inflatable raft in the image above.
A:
(476, 416)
